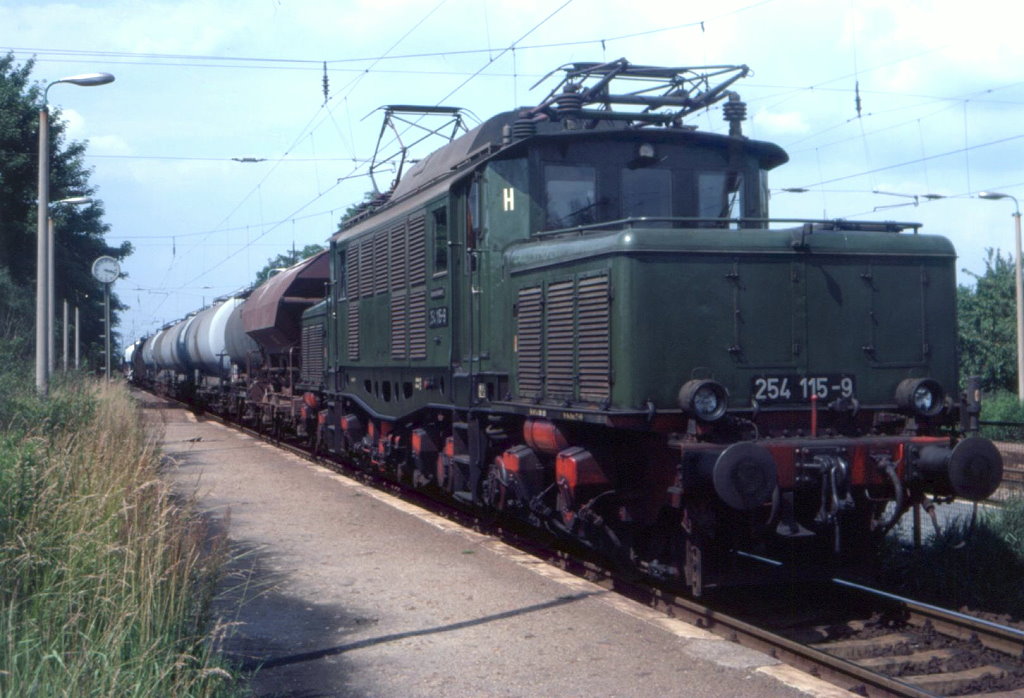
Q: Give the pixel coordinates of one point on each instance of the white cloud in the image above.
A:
(776, 124)
(109, 145)
(75, 123)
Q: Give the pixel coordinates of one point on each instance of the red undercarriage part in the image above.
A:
(520, 463)
(579, 479)
(746, 474)
(380, 438)
(544, 436)
(422, 443)
(309, 406)
(351, 428)
(445, 463)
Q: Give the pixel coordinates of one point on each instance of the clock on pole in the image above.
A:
(106, 269)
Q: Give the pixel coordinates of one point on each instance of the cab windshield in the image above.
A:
(571, 195)
(586, 194)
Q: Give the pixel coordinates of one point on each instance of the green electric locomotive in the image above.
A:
(581, 314)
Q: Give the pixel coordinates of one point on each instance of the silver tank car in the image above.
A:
(240, 347)
(149, 350)
(170, 348)
(205, 339)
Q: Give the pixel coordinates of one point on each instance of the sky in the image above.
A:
(214, 150)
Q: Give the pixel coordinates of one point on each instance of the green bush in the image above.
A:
(979, 567)
(1003, 406)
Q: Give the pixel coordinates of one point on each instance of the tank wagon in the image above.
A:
(240, 356)
(581, 314)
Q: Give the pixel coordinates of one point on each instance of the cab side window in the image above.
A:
(719, 195)
(342, 272)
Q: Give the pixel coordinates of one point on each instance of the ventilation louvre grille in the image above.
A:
(418, 325)
(592, 338)
(399, 258)
(352, 272)
(312, 354)
(399, 320)
(559, 331)
(353, 331)
(563, 340)
(417, 252)
(366, 267)
(530, 344)
(380, 262)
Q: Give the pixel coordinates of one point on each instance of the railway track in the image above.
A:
(1013, 476)
(1013, 464)
(860, 639)
(868, 641)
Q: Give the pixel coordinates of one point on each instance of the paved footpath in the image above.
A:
(339, 590)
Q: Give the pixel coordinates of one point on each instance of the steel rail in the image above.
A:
(953, 623)
(835, 670)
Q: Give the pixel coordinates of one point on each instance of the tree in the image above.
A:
(988, 326)
(285, 260)
(80, 229)
(357, 208)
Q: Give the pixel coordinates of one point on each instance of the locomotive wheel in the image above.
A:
(404, 467)
(494, 490)
(445, 472)
(422, 473)
(693, 569)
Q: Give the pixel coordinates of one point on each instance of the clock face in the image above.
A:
(106, 270)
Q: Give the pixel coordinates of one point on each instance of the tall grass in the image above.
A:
(105, 580)
(979, 566)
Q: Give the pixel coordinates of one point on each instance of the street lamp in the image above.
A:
(993, 196)
(50, 294)
(42, 228)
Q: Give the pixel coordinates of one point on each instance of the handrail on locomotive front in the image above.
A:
(809, 224)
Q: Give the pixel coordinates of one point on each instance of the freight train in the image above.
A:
(581, 315)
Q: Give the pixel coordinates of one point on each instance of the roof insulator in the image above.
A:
(735, 111)
(569, 104)
(523, 128)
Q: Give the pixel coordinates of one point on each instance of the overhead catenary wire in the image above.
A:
(335, 120)
(443, 99)
(915, 161)
(315, 64)
(306, 129)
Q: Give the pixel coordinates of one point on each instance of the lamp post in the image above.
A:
(43, 281)
(992, 196)
(64, 327)
(50, 294)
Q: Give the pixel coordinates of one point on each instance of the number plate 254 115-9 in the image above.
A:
(797, 388)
